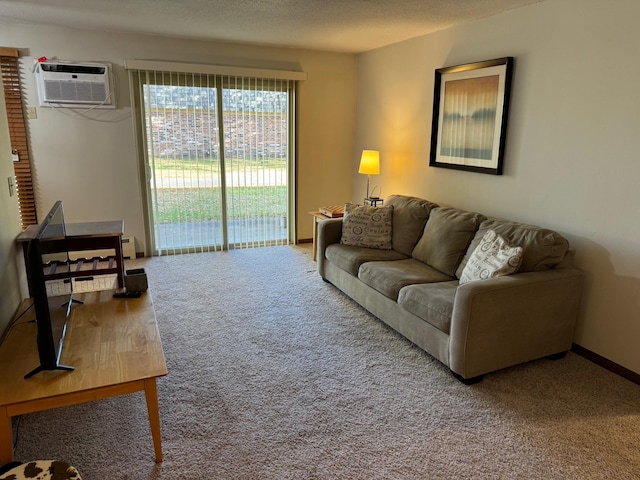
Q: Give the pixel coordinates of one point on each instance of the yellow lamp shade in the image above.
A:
(370, 162)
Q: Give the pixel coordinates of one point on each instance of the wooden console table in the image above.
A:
(87, 236)
(115, 347)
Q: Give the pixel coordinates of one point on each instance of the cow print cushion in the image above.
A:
(40, 470)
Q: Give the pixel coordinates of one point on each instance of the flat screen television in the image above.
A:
(51, 310)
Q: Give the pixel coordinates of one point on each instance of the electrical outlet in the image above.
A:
(32, 113)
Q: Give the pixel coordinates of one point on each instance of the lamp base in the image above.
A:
(373, 201)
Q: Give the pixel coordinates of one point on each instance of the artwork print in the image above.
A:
(470, 115)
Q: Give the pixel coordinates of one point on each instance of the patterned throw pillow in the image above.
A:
(493, 257)
(366, 226)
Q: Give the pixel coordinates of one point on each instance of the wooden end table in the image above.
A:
(317, 217)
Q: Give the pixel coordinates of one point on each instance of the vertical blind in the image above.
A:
(10, 71)
(218, 159)
(256, 152)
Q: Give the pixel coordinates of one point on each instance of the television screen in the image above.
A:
(48, 261)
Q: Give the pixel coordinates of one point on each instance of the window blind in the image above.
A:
(10, 71)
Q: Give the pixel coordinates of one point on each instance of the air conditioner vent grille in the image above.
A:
(81, 92)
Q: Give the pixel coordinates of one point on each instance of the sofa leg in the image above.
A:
(468, 381)
(557, 356)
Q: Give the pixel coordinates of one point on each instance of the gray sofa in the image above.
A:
(473, 328)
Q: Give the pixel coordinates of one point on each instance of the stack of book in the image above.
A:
(333, 211)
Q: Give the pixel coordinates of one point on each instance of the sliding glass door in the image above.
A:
(218, 160)
(256, 126)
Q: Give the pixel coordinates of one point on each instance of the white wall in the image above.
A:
(572, 156)
(12, 272)
(89, 161)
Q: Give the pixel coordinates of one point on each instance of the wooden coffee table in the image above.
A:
(115, 347)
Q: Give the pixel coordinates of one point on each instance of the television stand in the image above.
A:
(58, 366)
(40, 368)
(70, 302)
(124, 329)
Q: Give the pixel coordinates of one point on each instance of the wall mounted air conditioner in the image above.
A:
(74, 85)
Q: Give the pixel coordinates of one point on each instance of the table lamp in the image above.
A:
(369, 165)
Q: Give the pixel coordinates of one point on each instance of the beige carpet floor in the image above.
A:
(274, 374)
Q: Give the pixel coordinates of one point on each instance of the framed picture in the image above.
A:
(470, 107)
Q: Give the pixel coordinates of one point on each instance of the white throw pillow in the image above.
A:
(366, 226)
(493, 257)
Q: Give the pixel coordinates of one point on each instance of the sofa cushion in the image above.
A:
(409, 217)
(389, 277)
(446, 238)
(493, 257)
(542, 249)
(350, 258)
(432, 302)
(367, 226)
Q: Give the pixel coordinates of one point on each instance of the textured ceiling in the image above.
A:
(334, 25)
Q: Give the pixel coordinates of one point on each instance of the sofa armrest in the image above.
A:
(329, 232)
(504, 321)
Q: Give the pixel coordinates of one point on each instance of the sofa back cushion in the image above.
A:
(446, 238)
(409, 217)
(542, 249)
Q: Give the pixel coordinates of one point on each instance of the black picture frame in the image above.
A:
(470, 113)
